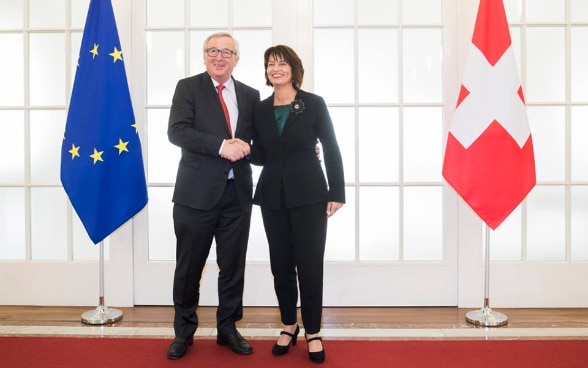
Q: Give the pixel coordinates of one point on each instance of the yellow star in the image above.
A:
(122, 146)
(97, 156)
(74, 151)
(134, 125)
(94, 51)
(116, 55)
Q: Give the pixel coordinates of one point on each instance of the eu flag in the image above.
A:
(101, 162)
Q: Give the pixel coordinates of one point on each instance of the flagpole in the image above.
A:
(102, 315)
(486, 316)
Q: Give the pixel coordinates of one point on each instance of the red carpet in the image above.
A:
(91, 352)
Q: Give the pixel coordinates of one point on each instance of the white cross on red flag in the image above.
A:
(489, 156)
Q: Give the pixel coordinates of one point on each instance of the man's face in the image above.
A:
(220, 67)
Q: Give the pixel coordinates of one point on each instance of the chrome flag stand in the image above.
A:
(486, 316)
(102, 314)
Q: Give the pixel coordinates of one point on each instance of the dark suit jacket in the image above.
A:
(197, 125)
(291, 168)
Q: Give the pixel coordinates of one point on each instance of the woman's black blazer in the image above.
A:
(292, 174)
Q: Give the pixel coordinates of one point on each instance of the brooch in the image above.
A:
(297, 107)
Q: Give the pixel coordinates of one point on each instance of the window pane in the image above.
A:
(48, 221)
(79, 12)
(84, 248)
(47, 69)
(12, 71)
(214, 16)
(377, 84)
(514, 10)
(546, 66)
(11, 15)
(579, 221)
(12, 224)
(422, 65)
(344, 121)
(517, 40)
(12, 145)
(327, 73)
(579, 10)
(196, 54)
(252, 13)
(46, 138)
(422, 131)
(579, 68)
(165, 13)
(506, 240)
(579, 159)
(324, 14)
(377, 12)
(546, 11)
(75, 44)
(165, 65)
(162, 241)
(379, 230)
(341, 231)
(162, 156)
(46, 13)
(421, 12)
(546, 235)
(548, 131)
(378, 144)
(253, 44)
(423, 224)
(258, 248)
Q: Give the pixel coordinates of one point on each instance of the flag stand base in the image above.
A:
(102, 315)
(486, 317)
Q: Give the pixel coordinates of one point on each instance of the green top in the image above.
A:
(281, 113)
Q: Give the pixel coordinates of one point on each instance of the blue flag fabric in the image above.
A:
(101, 161)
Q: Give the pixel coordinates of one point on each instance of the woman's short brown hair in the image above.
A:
(283, 52)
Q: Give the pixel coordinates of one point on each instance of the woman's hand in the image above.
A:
(332, 207)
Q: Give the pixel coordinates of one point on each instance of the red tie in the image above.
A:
(220, 88)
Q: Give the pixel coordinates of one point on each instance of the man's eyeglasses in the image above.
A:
(226, 53)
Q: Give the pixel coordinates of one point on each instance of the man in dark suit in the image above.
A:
(211, 121)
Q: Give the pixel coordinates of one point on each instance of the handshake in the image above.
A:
(235, 149)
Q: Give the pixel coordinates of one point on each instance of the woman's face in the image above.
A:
(278, 71)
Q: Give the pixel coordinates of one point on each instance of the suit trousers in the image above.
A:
(296, 238)
(195, 229)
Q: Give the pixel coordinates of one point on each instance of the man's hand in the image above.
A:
(235, 149)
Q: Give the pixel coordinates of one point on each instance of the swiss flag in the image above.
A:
(489, 156)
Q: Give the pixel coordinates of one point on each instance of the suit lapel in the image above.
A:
(270, 114)
(241, 104)
(289, 122)
(292, 118)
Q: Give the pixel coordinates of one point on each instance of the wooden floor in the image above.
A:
(333, 318)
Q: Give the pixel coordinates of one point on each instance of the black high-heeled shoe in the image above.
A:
(316, 356)
(283, 349)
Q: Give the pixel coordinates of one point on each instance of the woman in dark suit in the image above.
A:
(295, 197)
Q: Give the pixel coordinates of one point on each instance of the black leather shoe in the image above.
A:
(178, 347)
(236, 342)
(283, 349)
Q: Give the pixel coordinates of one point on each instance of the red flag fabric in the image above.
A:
(489, 157)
